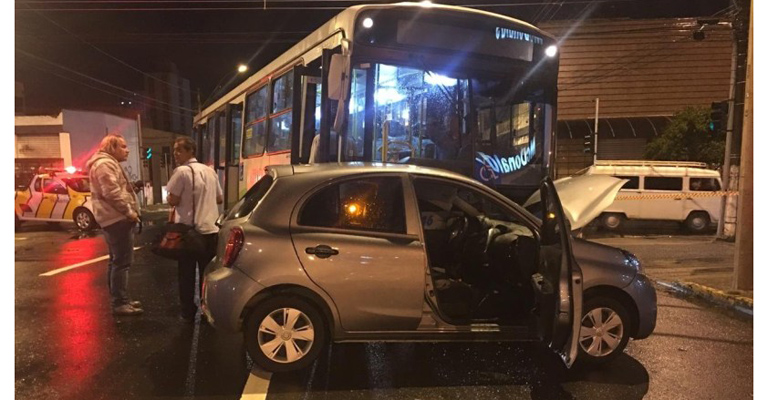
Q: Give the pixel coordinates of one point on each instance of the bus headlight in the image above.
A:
(551, 51)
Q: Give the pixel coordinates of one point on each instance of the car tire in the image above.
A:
(18, 222)
(612, 221)
(697, 222)
(268, 341)
(597, 343)
(84, 220)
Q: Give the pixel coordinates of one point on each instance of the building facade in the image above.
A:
(642, 71)
(171, 104)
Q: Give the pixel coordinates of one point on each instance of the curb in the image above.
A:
(741, 304)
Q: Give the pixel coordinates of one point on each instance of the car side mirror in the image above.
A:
(220, 221)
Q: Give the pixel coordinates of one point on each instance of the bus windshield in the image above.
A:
(488, 127)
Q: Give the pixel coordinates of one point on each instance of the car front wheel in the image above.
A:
(284, 333)
(84, 220)
(604, 330)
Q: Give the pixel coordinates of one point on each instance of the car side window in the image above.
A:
(633, 182)
(52, 186)
(371, 204)
(663, 183)
(38, 187)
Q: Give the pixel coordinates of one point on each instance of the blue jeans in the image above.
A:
(119, 238)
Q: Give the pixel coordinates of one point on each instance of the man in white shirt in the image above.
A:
(195, 191)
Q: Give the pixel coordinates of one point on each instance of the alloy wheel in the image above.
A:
(601, 332)
(286, 335)
(83, 220)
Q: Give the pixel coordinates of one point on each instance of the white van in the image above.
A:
(662, 190)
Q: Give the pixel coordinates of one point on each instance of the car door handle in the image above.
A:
(321, 251)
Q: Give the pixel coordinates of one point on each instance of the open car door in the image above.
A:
(558, 281)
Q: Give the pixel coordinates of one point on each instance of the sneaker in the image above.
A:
(135, 304)
(127, 309)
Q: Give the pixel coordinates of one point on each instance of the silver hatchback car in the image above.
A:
(377, 252)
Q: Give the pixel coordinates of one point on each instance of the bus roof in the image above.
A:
(338, 27)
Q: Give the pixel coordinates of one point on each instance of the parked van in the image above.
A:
(662, 190)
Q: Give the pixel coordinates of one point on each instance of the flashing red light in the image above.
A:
(71, 169)
(234, 245)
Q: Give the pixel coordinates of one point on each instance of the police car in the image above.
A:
(56, 196)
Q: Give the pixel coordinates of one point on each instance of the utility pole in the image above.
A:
(597, 115)
(725, 200)
(744, 261)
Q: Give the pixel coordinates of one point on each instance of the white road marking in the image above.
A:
(257, 385)
(73, 266)
(21, 238)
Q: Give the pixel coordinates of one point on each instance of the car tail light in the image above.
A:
(234, 244)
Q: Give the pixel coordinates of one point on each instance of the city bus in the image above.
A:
(433, 85)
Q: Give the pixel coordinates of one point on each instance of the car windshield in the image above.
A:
(79, 184)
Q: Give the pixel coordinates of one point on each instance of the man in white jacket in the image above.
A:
(115, 208)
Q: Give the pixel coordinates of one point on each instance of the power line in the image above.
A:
(107, 54)
(106, 91)
(279, 8)
(98, 80)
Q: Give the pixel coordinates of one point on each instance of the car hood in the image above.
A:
(583, 197)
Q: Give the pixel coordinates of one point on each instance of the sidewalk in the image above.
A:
(700, 266)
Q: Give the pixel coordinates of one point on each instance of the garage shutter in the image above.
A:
(38, 146)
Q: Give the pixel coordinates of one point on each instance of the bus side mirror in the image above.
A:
(338, 81)
(338, 75)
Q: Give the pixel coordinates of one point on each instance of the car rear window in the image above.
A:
(704, 185)
(373, 204)
(252, 197)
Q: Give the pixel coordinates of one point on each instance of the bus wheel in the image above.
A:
(84, 219)
(697, 221)
(612, 221)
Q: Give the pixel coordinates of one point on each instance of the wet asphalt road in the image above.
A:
(68, 346)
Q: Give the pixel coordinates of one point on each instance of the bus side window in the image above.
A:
(236, 118)
(254, 135)
(281, 118)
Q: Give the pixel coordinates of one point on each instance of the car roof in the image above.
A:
(334, 170)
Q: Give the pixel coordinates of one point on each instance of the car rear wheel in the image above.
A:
(612, 221)
(604, 330)
(697, 222)
(84, 219)
(284, 333)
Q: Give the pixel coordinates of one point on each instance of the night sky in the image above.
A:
(207, 39)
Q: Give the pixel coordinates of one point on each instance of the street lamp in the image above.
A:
(241, 68)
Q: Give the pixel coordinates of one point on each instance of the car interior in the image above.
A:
(481, 257)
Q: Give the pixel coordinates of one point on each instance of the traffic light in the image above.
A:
(148, 153)
(718, 115)
(589, 143)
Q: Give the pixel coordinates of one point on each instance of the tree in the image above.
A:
(688, 138)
